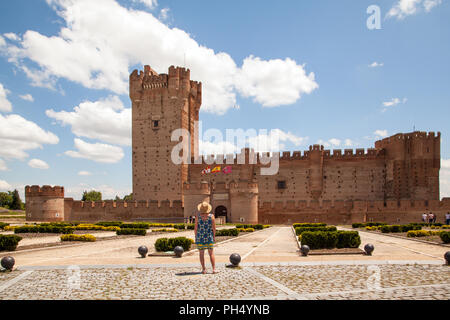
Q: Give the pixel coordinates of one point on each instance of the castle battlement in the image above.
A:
(416, 135)
(46, 191)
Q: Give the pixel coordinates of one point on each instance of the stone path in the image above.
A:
(399, 281)
(271, 268)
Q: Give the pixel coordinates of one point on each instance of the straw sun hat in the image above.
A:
(204, 207)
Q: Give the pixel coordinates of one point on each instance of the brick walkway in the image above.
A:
(271, 268)
(290, 281)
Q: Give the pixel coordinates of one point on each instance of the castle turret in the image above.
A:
(412, 165)
(44, 203)
(244, 202)
(195, 193)
(161, 104)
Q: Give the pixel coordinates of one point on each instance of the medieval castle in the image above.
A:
(393, 182)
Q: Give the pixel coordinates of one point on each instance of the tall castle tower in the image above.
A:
(161, 103)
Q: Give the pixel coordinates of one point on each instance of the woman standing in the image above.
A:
(205, 234)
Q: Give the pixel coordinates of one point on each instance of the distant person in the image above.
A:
(434, 218)
(430, 218)
(447, 218)
(205, 234)
(424, 217)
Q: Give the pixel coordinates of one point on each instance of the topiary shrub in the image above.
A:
(180, 226)
(44, 229)
(109, 223)
(136, 225)
(308, 225)
(300, 230)
(9, 242)
(399, 228)
(96, 227)
(348, 239)
(190, 226)
(168, 244)
(445, 236)
(234, 232)
(165, 230)
(78, 237)
(3, 225)
(319, 239)
(134, 231)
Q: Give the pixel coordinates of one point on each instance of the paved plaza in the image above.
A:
(271, 268)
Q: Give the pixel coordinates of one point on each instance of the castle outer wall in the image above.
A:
(394, 182)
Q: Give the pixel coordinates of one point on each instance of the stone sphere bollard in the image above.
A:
(447, 257)
(8, 262)
(235, 258)
(304, 249)
(143, 251)
(368, 248)
(178, 250)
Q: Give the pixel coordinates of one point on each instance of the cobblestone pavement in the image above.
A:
(334, 281)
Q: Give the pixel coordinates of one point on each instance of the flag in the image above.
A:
(206, 170)
(227, 169)
(216, 169)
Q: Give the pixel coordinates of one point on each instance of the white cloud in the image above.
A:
(376, 64)
(27, 97)
(12, 36)
(392, 103)
(18, 135)
(151, 4)
(107, 191)
(445, 178)
(273, 141)
(381, 133)
(97, 152)
(106, 120)
(274, 82)
(2, 42)
(38, 164)
(3, 166)
(84, 173)
(164, 14)
(4, 186)
(430, 4)
(5, 105)
(404, 8)
(334, 143)
(100, 56)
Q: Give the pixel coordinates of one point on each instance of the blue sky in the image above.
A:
(311, 69)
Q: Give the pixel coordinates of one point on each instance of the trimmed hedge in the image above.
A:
(300, 230)
(245, 230)
(134, 231)
(136, 225)
(190, 226)
(445, 236)
(368, 224)
(180, 226)
(59, 224)
(165, 230)
(9, 242)
(399, 228)
(234, 232)
(168, 244)
(3, 225)
(247, 226)
(44, 229)
(330, 239)
(421, 233)
(78, 237)
(308, 225)
(96, 227)
(109, 223)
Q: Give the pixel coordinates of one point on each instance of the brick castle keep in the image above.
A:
(394, 182)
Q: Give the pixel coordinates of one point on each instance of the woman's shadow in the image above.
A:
(194, 273)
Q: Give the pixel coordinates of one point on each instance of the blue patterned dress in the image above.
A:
(205, 237)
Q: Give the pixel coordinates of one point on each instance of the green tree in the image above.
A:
(128, 197)
(16, 203)
(92, 196)
(5, 199)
